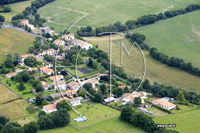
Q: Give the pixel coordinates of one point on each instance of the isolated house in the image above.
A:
(76, 101)
(68, 37)
(30, 26)
(52, 107)
(60, 84)
(73, 85)
(58, 77)
(59, 42)
(49, 108)
(70, 92)
(24, 22)
(46, 30)
(109, 99)
(93, 81)
(46, 70)
(82, 44)
(164, 104)
(9, 75)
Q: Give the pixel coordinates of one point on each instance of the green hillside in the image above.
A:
(178, 36)
(61, 13)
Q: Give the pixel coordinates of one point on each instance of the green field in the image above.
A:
(185, 122)
(28, 86)
(17, 8)
(6, 95)
(178, 36)
(12, 111)
(14, 41)
(156, 71)
(96, 113)
(61, 14)
(111, 126)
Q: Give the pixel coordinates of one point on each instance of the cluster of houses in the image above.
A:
(25, 22)
(52, 106)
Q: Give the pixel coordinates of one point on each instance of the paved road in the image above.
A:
(22, 30)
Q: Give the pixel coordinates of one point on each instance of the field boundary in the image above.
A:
(9, 88)
(78, 129)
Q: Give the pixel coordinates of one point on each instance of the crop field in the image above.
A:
(110, 126)
(95, 113)
(178, 36)
(185, 121)
(14, 41)
(17, 8)
(12, 111)
(6, 95)
(61, 14)
(155, 71)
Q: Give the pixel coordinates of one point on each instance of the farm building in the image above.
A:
(164, 104)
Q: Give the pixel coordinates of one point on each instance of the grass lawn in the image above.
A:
(13, 111)
(62, 14)
(186, 108)
(28, 86)
(95, 114)
(116, 104)
(157, 112)
(6, 94)
(156, 71)
(17, 8)
(178, 36)
(26, 120)
(185, 121)
(14, 41)
(110, 126)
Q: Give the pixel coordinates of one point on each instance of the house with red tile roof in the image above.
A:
(68, 37)
(73, 85)
(58, 77)
(9, 75)
(164, 104)
(59, 42)
(70, 92)
(93, 81)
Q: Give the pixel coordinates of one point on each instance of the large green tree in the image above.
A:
(30, 61)
(39, 99)
(31, 127)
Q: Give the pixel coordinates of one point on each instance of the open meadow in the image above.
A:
(156, 71)
(110, 126)
(17, 8)
(185, 121)
(61, 14)
(13, 111)
(95, 113)
(178, 36)
(6, 94)
(14, 41)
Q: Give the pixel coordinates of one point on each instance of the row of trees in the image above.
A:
(6, 9)
(142, 120)
(4, 2)
(131, 24)
(56, 119)
(174, 62)
(31, 10)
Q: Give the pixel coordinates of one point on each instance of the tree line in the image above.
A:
(35, 5)
(131, 24)
(4, 2)
(162, 90)
(142, 120)
(56, 119)
(174, 62)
